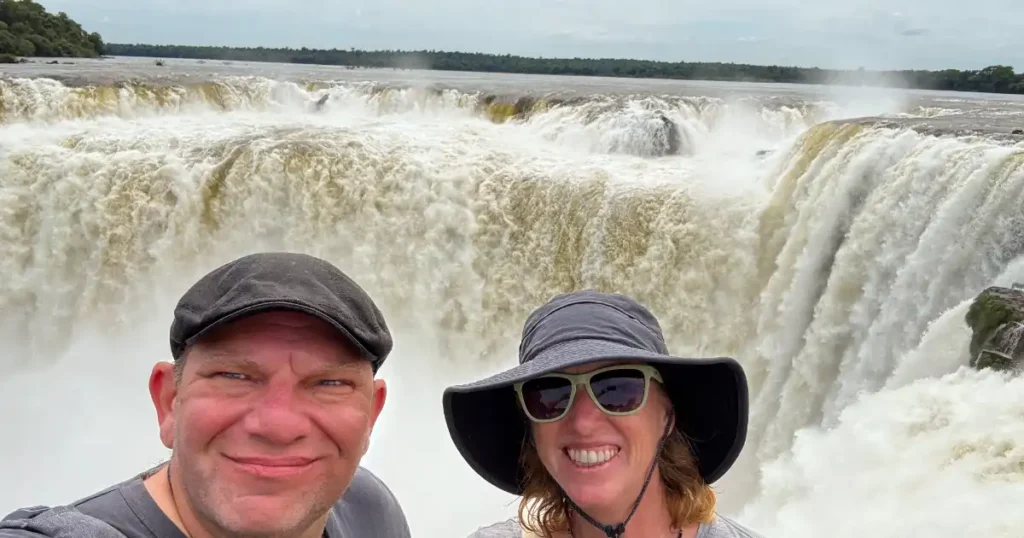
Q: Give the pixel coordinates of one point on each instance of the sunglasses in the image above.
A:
(617, 390)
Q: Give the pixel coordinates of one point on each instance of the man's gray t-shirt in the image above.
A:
(367, 510)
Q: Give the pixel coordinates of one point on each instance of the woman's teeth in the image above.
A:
(589, 457)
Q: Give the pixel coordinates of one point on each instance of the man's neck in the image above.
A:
(159, 487)
(176, 509)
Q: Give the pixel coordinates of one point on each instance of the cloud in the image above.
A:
(884, 34)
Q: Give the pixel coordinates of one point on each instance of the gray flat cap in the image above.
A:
(281, 281)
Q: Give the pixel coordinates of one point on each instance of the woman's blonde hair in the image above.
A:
(543, 509)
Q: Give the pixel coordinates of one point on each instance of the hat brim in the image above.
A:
(270, 305)
(710, 398)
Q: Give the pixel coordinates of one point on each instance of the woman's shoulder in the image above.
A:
(724, 527)
(509, 528)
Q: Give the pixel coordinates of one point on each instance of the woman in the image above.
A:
(600, 430)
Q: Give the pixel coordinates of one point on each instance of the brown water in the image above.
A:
(803, 229)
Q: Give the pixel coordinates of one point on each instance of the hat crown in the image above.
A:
(266, 280)
(590, 315)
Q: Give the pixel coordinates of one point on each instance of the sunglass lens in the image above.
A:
(619, 391)
(546, 397)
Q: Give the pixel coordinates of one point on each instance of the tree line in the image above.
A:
(997, 78)
(27, 29)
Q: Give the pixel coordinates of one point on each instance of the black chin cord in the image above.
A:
(616, 531)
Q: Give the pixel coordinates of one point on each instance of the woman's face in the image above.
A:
(600, 460)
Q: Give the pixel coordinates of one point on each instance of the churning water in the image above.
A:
(834, 258)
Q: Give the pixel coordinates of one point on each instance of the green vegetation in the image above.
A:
(27, 29)
(998, 78)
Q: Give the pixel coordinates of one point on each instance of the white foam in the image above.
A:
(838, 270)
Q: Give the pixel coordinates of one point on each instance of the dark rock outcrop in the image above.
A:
(319, 104)
(673, 139)
(996, 319)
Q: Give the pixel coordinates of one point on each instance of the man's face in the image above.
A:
(267, 425)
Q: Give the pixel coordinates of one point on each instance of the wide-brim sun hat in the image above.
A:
(709, 395)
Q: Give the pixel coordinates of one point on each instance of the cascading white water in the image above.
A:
(837, 268)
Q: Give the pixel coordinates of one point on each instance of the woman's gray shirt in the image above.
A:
(721, 527)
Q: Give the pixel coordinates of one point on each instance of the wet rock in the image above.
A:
(1018, 131)
(319, 104)
(654, 136)
(500, 109)
(673, 137)
(996, 319)
(524, 105)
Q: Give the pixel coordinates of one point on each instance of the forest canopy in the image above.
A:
(996, 78)
(27, 29)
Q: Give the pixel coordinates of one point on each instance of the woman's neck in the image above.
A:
(651, 520)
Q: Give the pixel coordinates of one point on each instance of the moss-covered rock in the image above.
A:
(500, 109)
(996, 319)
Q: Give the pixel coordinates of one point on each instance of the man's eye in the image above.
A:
(231, 375)
(336, 382)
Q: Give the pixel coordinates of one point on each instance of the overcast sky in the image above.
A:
(875, 34)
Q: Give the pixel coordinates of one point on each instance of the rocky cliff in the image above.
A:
(997, 320)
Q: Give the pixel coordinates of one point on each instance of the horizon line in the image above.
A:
(862, 70)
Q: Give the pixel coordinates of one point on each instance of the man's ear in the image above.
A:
(162, 390)
(380, 395)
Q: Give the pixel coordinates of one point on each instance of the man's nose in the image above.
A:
(276, 414)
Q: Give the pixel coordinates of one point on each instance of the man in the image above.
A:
(267, 410)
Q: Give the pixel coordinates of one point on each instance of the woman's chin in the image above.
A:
(594, 498)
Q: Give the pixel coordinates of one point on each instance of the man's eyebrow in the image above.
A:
(344, 366)
(229, 359)
(226, 357)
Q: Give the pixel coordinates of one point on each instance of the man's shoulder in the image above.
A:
(103, 514)
(725, 527)
(367, 490)
(63, 521)
(371, 505)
